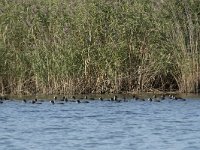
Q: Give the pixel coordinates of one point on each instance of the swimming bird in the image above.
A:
(141, 99)
(118, 101)
(111, 99)
(55, 98)
(115, 98)
(78, 101)
(178, 98)
(66, 99)
(162, 97)
(24, 100)
(63, 98)
(150, 99)
(36, 101)
(172, 97)
(1, 102)
(52, 101)
(156, 100)
(73, 99)
(33, 101)
(85, 102)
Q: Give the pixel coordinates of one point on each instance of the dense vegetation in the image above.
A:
(98, 46)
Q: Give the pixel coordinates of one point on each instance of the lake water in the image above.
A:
(101, 125)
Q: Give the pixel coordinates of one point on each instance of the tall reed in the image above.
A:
(98, 46)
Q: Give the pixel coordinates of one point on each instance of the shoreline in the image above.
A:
(97, 96)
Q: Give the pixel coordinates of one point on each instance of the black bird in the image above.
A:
(63, 98)
(115, 98)
(162, 97)
(66, 100)
(33, 101)
(36, 101)
(118, 101)
(141, 99)
(24, 100)
(85, 102)
(172, 97)
(178, 98)
(52, 101)
(78, 101)
(156, 100)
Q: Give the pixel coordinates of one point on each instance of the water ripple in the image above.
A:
(100, 125)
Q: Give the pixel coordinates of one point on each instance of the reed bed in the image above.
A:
(99, 46)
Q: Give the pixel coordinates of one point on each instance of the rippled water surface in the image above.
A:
(101, 125)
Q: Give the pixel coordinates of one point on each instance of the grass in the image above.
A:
(98, 46)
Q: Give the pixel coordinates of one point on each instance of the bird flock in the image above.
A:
(63, 100)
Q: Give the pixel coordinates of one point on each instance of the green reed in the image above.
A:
(97, 46)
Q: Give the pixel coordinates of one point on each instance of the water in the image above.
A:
(100, 125)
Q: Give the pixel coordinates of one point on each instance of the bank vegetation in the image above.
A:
(99, 46)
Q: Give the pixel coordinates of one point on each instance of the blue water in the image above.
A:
(168, 125)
